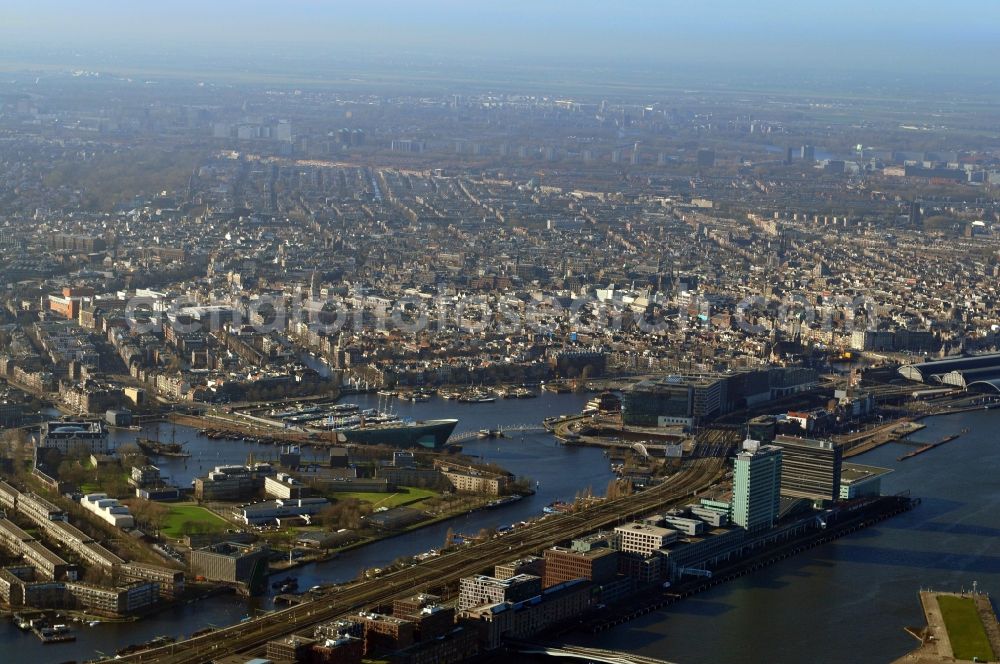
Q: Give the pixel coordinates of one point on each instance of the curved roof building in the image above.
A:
(976, 372)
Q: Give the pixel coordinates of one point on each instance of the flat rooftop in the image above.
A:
(856, 472)
(645, 529)
(694, 539)
(812, 443)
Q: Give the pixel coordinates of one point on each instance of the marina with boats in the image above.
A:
(533, 454)
(381, 425)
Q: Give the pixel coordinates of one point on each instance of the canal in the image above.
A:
(845, 601)
(560, 472)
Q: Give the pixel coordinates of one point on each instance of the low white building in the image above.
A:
(108, 509)
(283, 486)
(270, 510)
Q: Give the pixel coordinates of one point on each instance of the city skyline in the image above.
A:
(449, 331)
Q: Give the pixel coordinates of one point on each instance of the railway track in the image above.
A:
(435, 572)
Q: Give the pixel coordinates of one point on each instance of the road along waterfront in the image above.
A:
(697, 476)
(560, 470)
(848, 601)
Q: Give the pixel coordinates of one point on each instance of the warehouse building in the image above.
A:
(243, 565)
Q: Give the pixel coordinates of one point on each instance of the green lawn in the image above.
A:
(178, 522)
(965, 629)
(402, 496)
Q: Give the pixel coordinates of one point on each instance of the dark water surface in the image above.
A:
(848, 601)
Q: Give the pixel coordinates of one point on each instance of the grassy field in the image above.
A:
(181, 517)
(403, 496)
(965, 629)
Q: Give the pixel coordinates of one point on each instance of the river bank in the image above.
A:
(561, 472)
(848, 600)
(885, 508)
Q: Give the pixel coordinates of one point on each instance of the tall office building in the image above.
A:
(807, 153)
(756, 485)
(809, 468)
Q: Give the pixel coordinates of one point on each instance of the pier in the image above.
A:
(960, 627)
(927, 447)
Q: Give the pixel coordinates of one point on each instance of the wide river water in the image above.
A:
(847, 601)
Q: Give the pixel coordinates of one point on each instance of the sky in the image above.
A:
(907, 37)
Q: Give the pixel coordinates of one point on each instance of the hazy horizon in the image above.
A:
(850, 41)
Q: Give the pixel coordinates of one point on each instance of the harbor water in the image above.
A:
(848, 601)
(845, 601)
(559, 471)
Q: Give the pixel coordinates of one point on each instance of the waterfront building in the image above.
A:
(473, 480)
(756, 485)
(74, 437)
(430, 434)
(118, 418)
(671, 401)
(11, 581)
(498, 621)
(690, 399)
(242, 564)
(20, 586)
(170, 582)
(142, 476)
(481, 589)
(114, 601)
(643, 538)
(859, 481)
(810, 468)
(598, 565)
